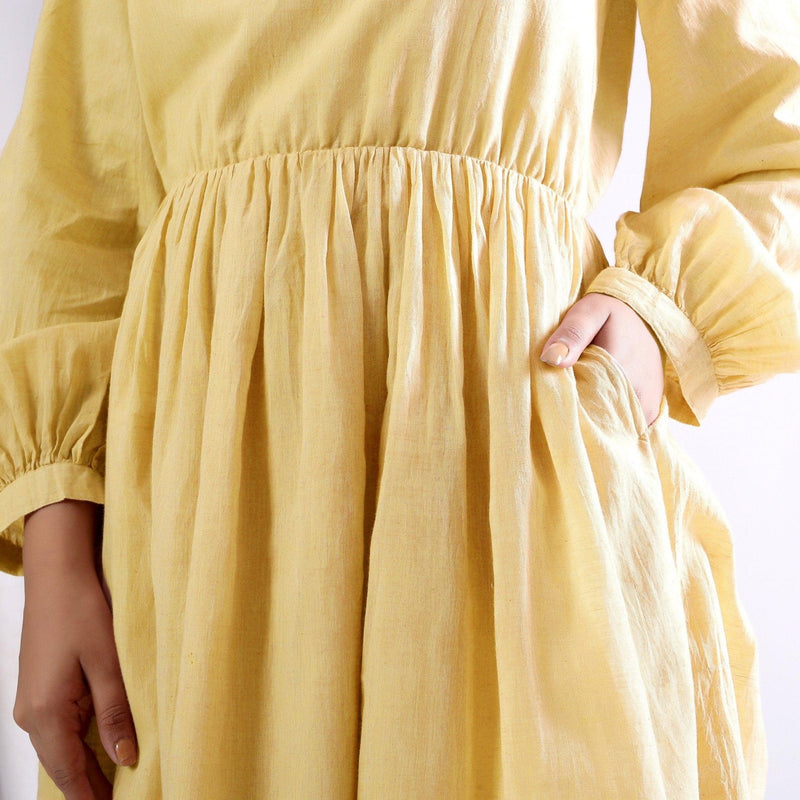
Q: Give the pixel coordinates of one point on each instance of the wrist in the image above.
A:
(60, 538)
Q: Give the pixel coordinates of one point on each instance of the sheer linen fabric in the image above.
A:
(275, 278)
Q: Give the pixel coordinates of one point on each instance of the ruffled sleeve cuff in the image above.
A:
(54, 391)
(41, 486)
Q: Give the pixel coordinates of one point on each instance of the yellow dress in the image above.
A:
(275, 278)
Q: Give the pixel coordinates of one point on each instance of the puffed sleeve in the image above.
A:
(77, 187)
(712, 259)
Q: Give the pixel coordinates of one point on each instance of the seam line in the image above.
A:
(530, 179)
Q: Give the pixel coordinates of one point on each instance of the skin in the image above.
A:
(69, 668)
(613, 325)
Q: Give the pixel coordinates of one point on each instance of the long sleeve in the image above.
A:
(77, 187)
(712, 259)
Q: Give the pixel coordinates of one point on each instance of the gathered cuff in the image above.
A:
(39, 487)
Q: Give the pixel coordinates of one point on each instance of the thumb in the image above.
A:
(111, 709)
(577, 329)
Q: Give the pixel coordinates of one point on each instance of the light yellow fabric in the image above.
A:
(275, 278)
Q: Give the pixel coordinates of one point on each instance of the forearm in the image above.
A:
(69, 667)
(61, 538)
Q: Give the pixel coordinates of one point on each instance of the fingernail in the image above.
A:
(126, 752)
(555, 353)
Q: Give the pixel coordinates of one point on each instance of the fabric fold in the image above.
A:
(276, 278)
(78, 189)
(718, 233)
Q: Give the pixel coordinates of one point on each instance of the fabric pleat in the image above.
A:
(274, 282)
(367, 527)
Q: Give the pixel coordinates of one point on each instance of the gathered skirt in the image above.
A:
(362, 542)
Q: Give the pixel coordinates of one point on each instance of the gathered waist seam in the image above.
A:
(530, 179)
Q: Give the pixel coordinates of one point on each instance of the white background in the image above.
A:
(747, 447)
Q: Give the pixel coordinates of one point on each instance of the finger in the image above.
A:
(576, 330)
(111, 709)
(100, 784)
(63, 756)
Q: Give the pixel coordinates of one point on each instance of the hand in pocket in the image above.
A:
(613, 325)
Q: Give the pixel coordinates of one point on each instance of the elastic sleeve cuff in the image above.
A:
(39, 487)
(690, 383)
